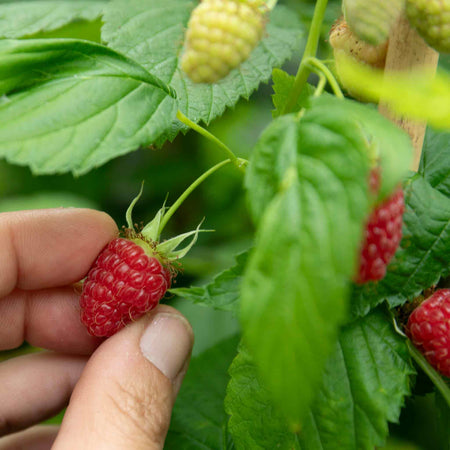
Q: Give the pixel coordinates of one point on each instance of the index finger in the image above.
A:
(49, 248)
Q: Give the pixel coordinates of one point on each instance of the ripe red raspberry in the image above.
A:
(382, 235)
(428, 328)
(131, 275)
(122, 285)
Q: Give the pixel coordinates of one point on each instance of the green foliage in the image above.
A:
(422, 258)
(383, 143)
(159, 47)
(198, 419)
(112, 109)
(363, 387)
(72, 105)
(254, 422)
(389, 147)
(435, 163)
(305, 250)
(26, 18)
(282, 85)
(223, 293)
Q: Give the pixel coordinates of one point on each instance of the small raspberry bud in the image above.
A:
(428, 328)
(221, 35)
(372, 21)
(431, 18)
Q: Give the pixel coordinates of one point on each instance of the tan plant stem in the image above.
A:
(407, 51)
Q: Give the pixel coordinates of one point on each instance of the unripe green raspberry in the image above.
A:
(372, 20)
(221, 35)
(431, 18)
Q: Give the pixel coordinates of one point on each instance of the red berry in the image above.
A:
(429, 330)
(382, 235)
(122, 285)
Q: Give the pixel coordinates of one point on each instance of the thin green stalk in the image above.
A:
(205, 133)
(316, 63)
(320, 85)
(170, 212)
(432, 374)
(310, 51)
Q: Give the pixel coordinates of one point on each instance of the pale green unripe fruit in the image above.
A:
(221, 35)
(431, 18)
(372, 20)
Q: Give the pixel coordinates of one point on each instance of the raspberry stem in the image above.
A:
(320, 85)
(310, 51)
(239, 163)
(437, 380)
(171, 211)
(319, 67)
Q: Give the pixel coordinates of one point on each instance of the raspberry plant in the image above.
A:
(319, 362)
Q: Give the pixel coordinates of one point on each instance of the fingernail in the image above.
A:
(167, 343)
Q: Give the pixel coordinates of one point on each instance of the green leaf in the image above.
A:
(297, 277)
(199, 420)
(422, 258)
(152, 33)
(362, 388)
(274, 153)
(389, 145)
(44, 200)
(383, 141)
(21, 19)
(418, 95)
(295, 288)
(282, 87)
(254, 422)
(72, 105)
(222, 293)
(435, 163)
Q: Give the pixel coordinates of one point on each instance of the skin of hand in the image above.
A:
(120, 392)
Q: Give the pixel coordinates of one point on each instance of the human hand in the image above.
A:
(121, 397)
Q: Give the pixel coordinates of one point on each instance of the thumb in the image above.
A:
(125, 395)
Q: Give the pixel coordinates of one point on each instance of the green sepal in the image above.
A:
(129, 213)
(151, 230)
(167, 248)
